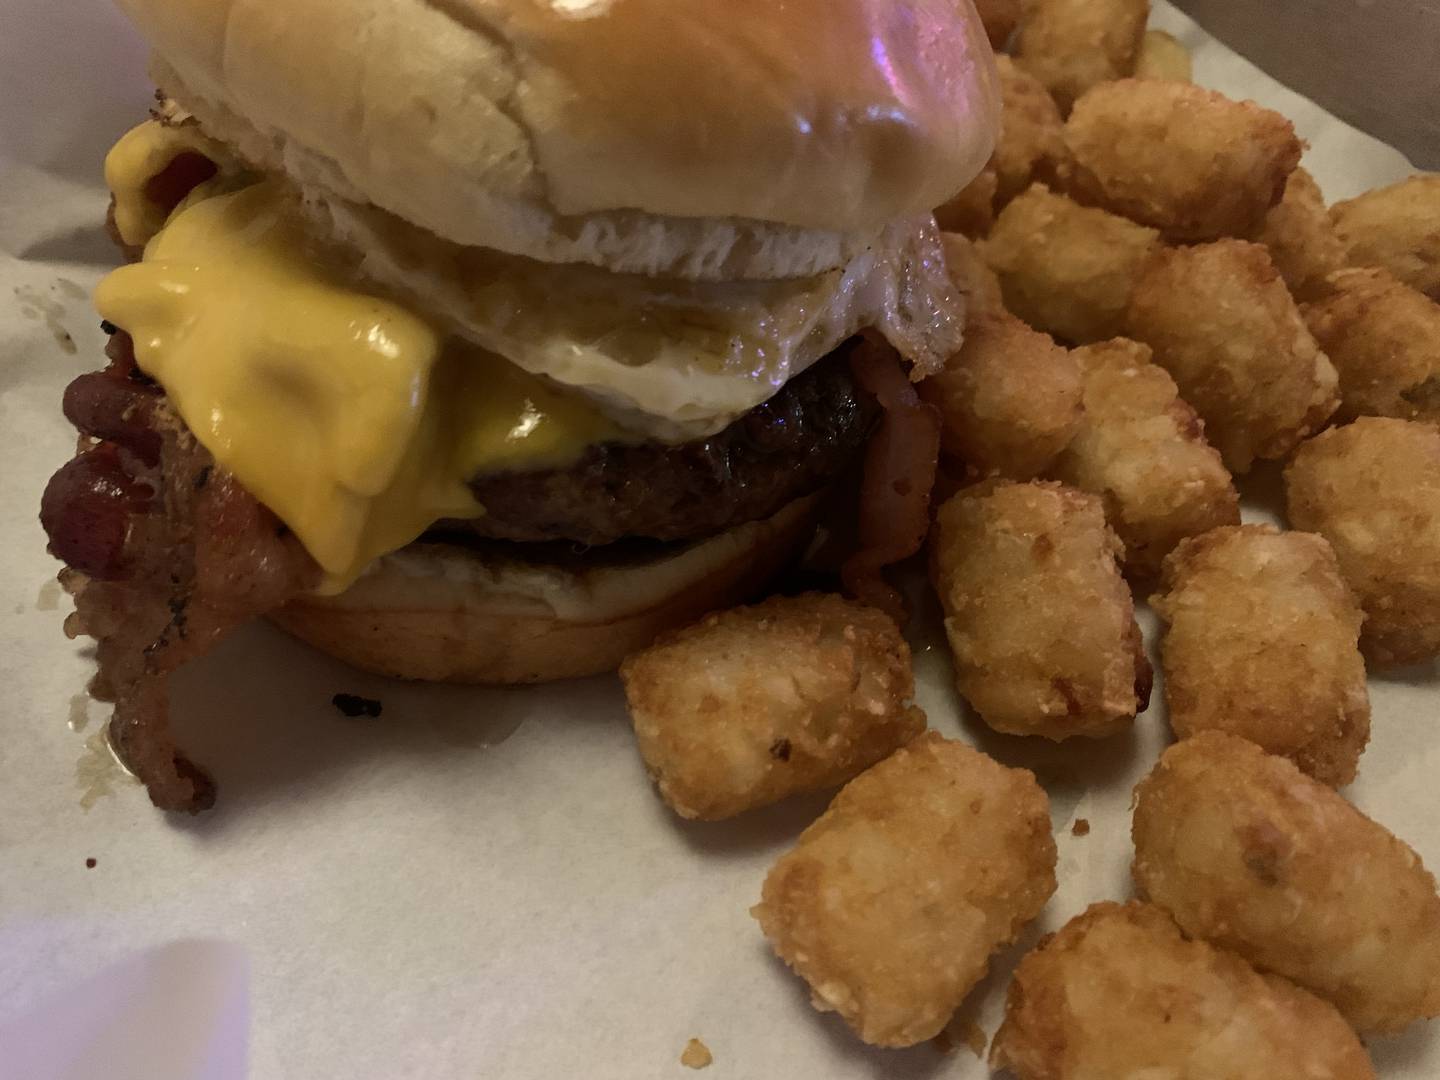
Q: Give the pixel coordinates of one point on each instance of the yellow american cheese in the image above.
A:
(349, 416)
(142, 154)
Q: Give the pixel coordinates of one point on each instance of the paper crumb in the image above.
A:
(975, 1039)
(1081, 827)
(49, 597)
(696, 1055)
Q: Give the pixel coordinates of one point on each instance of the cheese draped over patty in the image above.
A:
(357, 418)
(351, 417)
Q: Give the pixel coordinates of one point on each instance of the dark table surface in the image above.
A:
(1374, 63)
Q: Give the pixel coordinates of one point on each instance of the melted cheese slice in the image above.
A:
(347, 415)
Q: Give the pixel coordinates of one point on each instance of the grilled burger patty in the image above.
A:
(792, 445)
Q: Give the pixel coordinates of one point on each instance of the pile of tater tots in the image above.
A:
(1160, 302)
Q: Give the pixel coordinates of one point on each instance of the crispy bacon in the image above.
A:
(898, 475)
(86, 511)
(166, 554)
(116, 410)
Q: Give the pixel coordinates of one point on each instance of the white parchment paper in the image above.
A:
(477, 883)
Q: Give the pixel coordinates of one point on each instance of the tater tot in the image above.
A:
(1302, 242)
(972, 211)
(1262, 643)
(1372, 489)
(1222, 323)
(1064, 268)
(1162, 57)
(1143, 450)
(1040, 623)
(1384, 339)
(1000, 18)
(756, 703)
(891, 904)
(1120, 994)
(972, 276)
(1070, 45)
(1190, 162)
(1032, 133)
(1009, 400)
(1247, 852)
(1397, 228)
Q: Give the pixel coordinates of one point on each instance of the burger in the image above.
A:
(483, 340)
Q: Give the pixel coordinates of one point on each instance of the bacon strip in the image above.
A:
(167, 554)
(899, 473)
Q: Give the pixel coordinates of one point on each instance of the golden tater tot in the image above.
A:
(1384, 339)
(1064, 268)
(999, 17)
(1143, 450)
(1119, 992)
(972, 276)
(1250, 854)
(1009, 400)
(1070, 45)
(756, 703)
(1032, 133)
(1162, 57)
(1303, 243)
(1190, 162)
(1397, 228)
(972, 211)
(1261, 643)
(1222, 323)
(1372, 488)
(1040, 623)
(891, 904)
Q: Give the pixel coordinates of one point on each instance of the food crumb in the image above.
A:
(355, 705)
(696, 1055)
(974, 1036)
(1081, 827)
(90, 864)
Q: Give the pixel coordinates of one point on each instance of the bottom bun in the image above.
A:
(451, 613)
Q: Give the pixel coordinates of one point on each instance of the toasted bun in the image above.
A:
(446, 613)
(744, 138)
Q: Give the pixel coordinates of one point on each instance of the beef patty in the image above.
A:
(793, 444)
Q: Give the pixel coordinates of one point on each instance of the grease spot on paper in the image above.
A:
(99, 771)
(696, 1055)
(49, 597)
(79, 712)
(36, 305)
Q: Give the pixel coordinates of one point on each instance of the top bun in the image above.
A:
(706, 138)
